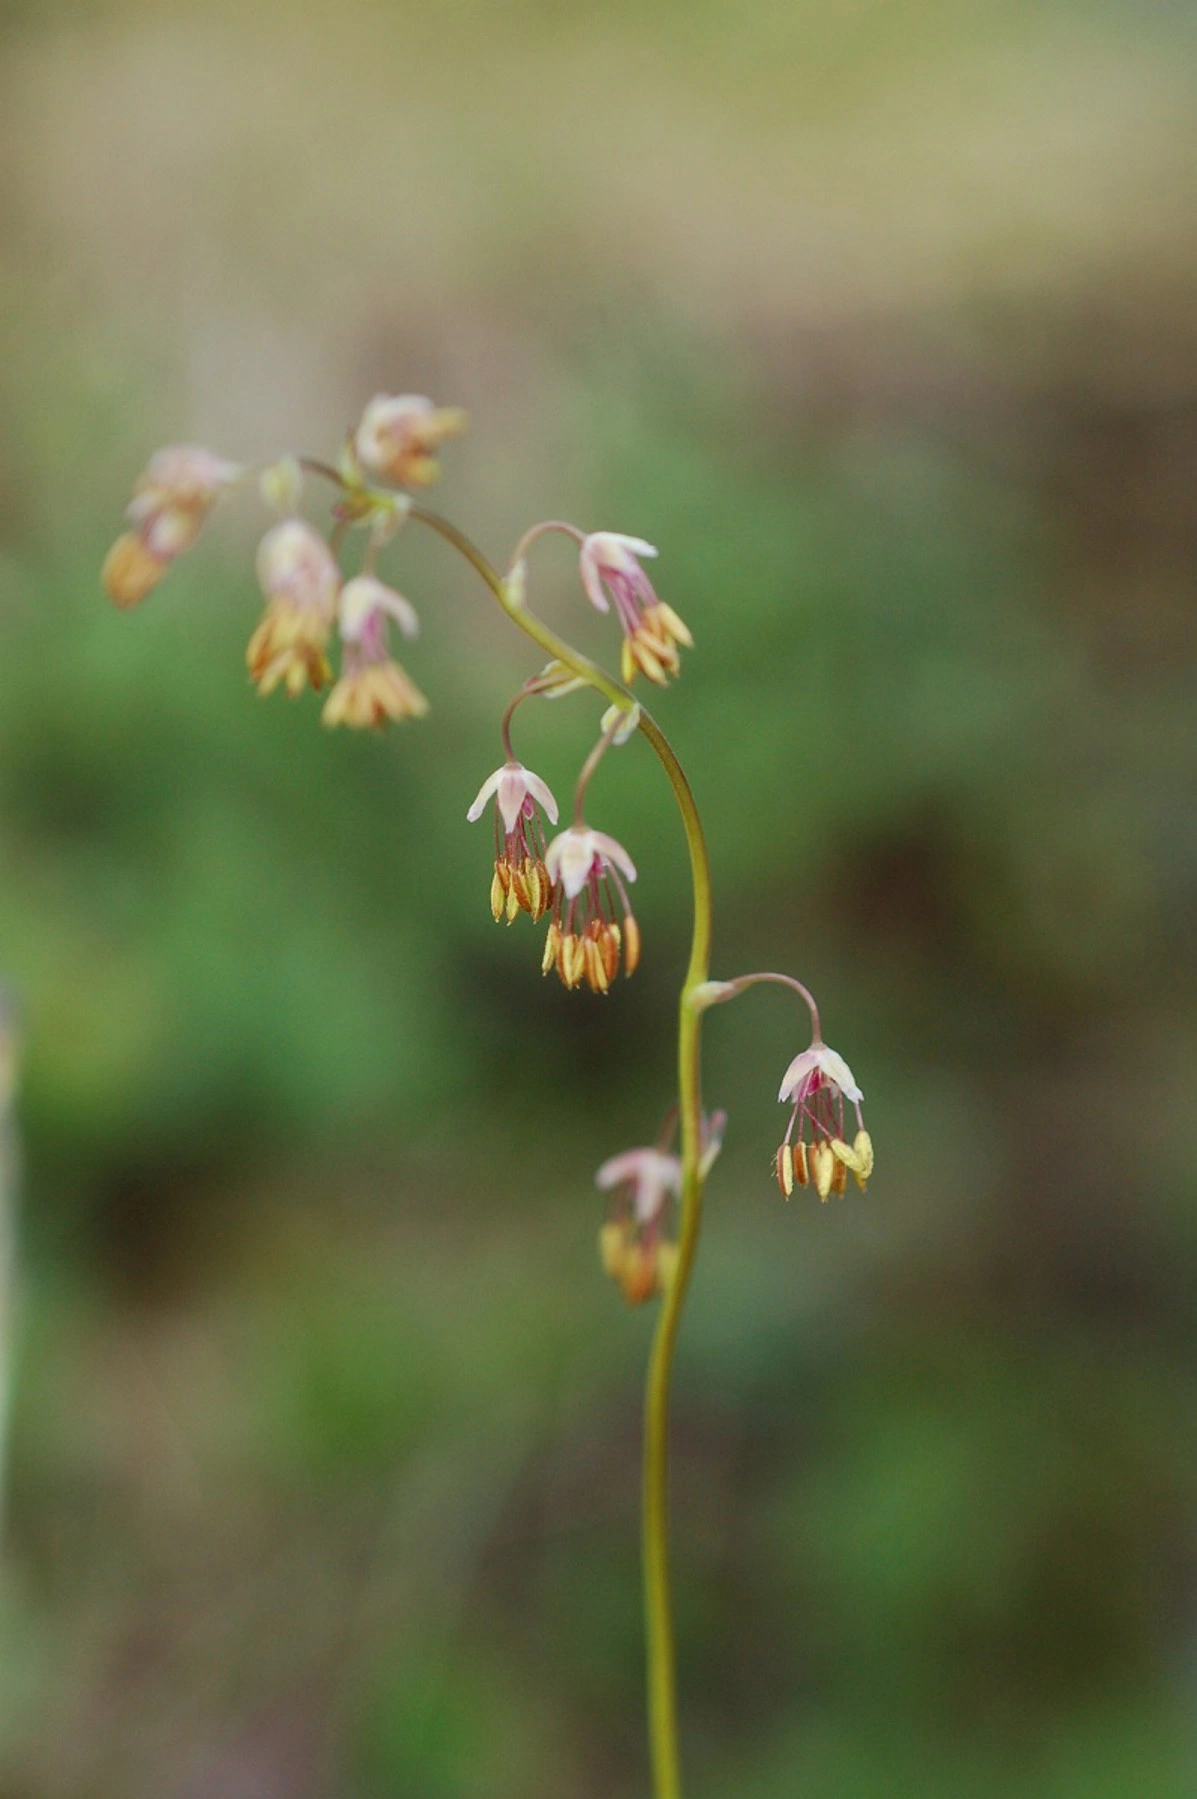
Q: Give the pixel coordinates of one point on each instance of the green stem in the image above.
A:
(662, 1681)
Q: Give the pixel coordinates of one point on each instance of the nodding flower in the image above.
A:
(372, 687)
(818, 1082)
(634, 1246)
(172, 498)
(652, 630)
(398, 436)
(301, 582)
(585, 943)
(521, 882)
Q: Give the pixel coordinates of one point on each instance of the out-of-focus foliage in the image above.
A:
(322, 1472)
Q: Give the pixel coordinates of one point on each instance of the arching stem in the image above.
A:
(661, 1673)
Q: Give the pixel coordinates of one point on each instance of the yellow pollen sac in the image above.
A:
(498, 893)
(638, 1277)
(519, 886)
(130, 571)
(631, 945)
(666, 620)
(612, 1240)
(544, 891)
(822, 1164)
(864, 1150)
(839, 1179)
(858, 1157)
(552, 945)
(627, 665)
(646, 660)
(514, 897)
(801, 1165)
(571, 960)
(608, 950)
(596, 974)
(532, 890)
(785, 1169)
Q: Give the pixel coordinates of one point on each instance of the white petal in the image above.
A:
(614, 852)
(839, 1073)
(513, 790)
(401, 610)
(592, 579)
(832, 1066)
(569, 859)
(542, 794)
(485, 792)
(799, 1068)
(616, 1169)
(636, 545)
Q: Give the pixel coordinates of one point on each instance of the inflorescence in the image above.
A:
(578, 878)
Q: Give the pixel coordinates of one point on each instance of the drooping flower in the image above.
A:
(611, 572)
(818, 1081)
(301, 582)
(521, 880)
(585, 942)
(633, 1247)
(634, 1244)
(372, 687)
(398, 436)
(172, 498)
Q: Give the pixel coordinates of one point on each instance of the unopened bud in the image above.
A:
(630, 716)
(281, 484)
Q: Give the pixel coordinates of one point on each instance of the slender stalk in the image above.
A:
(661, 1672)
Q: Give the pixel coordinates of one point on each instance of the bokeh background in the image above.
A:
(321, 1474)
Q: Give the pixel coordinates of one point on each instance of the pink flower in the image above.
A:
(170, 502)
(174, 496)
(521, 880)
(634, 1244)
(372, 687)
(588, 870)
(818, 1081)
(399, 434)
(611, 572)
(301, 581)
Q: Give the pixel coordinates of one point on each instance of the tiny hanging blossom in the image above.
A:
(818, 1081)
(372, 687)
(521, 882)
(172, 499)
(585, 942)
(634, 1245)
(611, 572)
(300, 579)
(398, 436)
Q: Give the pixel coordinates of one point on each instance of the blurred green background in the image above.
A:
(879, 319)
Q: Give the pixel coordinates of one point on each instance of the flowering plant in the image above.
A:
(579, 878)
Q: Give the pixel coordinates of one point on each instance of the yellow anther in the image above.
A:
(631, 945)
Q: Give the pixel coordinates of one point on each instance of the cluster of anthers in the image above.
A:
(579, 878)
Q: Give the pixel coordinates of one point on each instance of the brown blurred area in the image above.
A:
(321, 1468)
